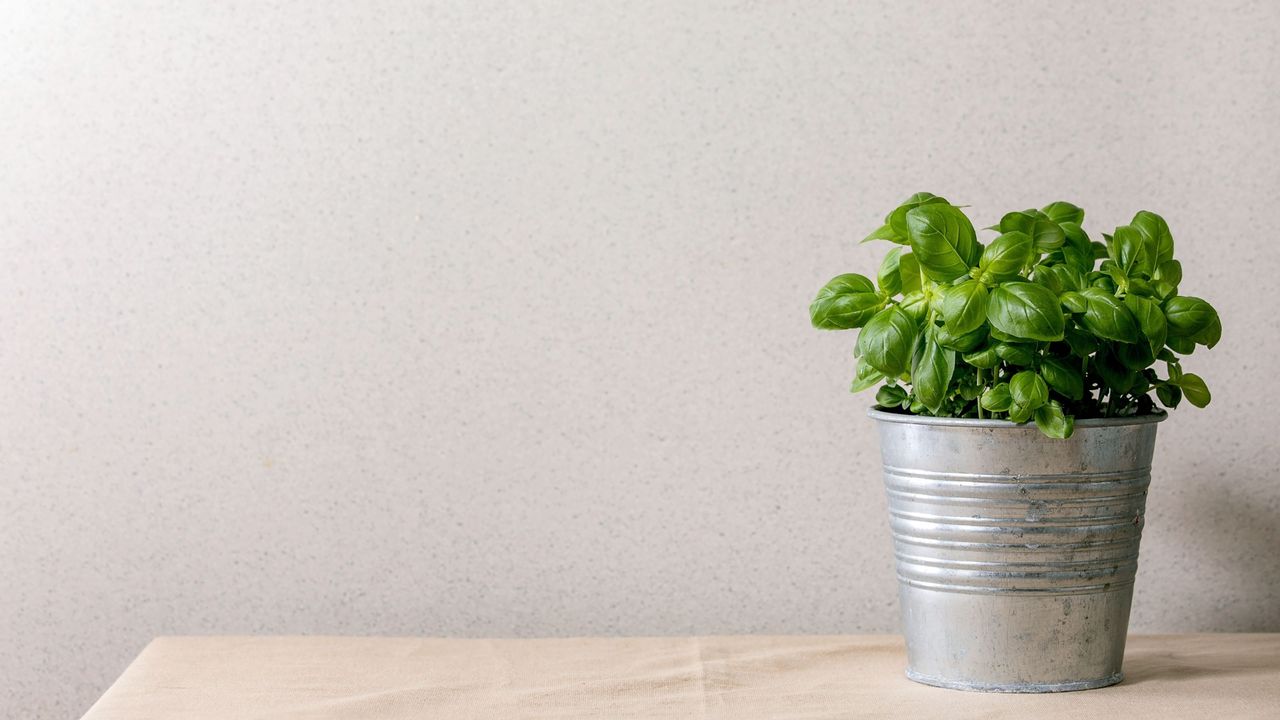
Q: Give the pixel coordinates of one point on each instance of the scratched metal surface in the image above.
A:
(1016, 554)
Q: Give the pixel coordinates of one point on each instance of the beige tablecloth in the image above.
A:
(185, 678)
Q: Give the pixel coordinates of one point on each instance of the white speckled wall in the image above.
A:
(463, 319)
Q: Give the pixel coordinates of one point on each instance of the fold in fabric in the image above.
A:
(193, 678)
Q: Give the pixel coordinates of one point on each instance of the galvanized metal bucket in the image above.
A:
(1016, 553)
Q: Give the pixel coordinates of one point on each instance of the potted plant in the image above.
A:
(1017, 427)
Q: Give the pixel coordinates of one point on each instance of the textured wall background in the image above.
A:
(452, 319)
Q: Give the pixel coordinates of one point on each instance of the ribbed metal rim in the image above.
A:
(876, 413)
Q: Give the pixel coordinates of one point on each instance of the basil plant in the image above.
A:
(1040, 324)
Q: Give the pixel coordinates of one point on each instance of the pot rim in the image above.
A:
(875, 412)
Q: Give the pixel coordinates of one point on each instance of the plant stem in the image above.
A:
(979, 393)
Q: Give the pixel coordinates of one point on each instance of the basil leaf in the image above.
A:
(1196, 392)
(961, 343)
(1181, 345)
(996, 398)
(1140, 287)
(1063, 212)
(891, 396)
(1170, 395)
(1060, 278)
(887, 341)
(1082, 343)
(865, 377)
(1113, 372)
(942, 240)
(1127, 250)
(1028, 390)
(1107, 317)
(1077, 252)
(890, 276)
(1053, 422)
(909, 270)
(885, 232)
(916, 306)
(1211, 334)
(1047, 235)
(1170, 271)
(897, 220)
(1135, 356)
(1025, 310)
(1074, 301)
(1156, 232)
(1150, 319)
(985, 359)
(964, 307)
(931, 371)
(1064, 376)
(1005, 257)
(847, 301)
(1188, 315)
(1020, 355)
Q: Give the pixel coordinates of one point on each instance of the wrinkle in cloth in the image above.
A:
(798, 678)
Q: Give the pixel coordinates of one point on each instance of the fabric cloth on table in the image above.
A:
(194, 678)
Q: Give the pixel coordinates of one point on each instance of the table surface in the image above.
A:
(189, 678)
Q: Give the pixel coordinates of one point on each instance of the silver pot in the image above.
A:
(1016, 553)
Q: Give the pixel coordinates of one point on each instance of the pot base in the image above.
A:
(1028, 688)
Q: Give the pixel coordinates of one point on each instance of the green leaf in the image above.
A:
(1141, 287)
(891, 396)
(916, 306)
(1127, 250)
(887, 341)
(897, 220)
(1005, 257)
(884, 232)
(847, 301)
(1170, 395)
(942, 240)
(931, 371)
(1156, 233)
(1063, 376)
(1047, 235)
(961, 343)
(1163, 289)
(890, 276)
(996, 398)
(1194, 389)
(909, 269)
(1025, 310)
(1020, 355)
(1135, 356)
(985, 359)
(1107, 317)
(865, 377)
(1150, 319)
(1028, 390)
(1211, 334)
(1188, 315)
(1082, 343)
(1064, 212)
(1074, 301)
(1060, 278)
(1181, 345)
(964, 307)
(1169, 271)
(1077, 251)
(1113, 372)
(1053, 422)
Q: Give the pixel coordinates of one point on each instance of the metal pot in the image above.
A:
(1016, 552)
